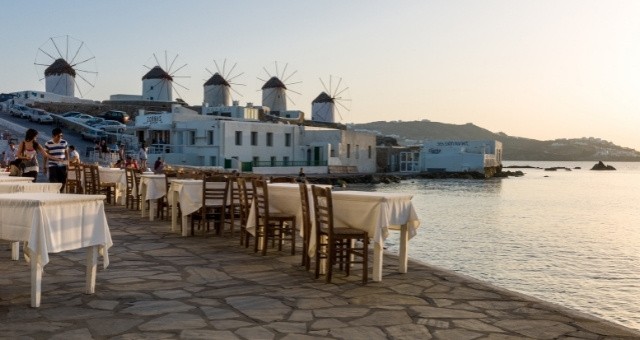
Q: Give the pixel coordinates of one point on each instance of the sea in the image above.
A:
(570, 237)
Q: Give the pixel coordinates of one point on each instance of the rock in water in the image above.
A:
(601, 166)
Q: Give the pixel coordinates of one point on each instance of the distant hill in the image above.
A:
(515, 148)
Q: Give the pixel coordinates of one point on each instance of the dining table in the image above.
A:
(52, 223)
(117, 176)
(15, 179)
(152, 187)
(188, 193)
(375, 212)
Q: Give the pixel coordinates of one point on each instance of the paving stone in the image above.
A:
(445, 313)
(476, 325)
(288, 327)
(103, 304)
(174, 321)
(387, 299)
(340, 312)
(157, 307)
(172, 294)
(230, 324)
(408, 331)
(207, 335)
(112, 326)
(539, 329)
(73, 313)
(204, 275)
(260, 308)
(255, 333)
(329, 323)
(301, 315)
(76, 334)
(357, 333)
(455, 334)
(213, 313)
(383, 318)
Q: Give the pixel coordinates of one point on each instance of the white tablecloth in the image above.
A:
(15, 179)
(151, 188)
(117, 176)
(51, 223)
(9, 187)
(187, 192)
(375, 212)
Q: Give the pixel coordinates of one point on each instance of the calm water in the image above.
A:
(569, 237)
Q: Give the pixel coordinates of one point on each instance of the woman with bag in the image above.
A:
(27, 153)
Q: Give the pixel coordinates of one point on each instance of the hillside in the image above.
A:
(515, 148)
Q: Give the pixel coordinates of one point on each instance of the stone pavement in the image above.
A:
(163, 286)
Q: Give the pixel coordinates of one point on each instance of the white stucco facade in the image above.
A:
(275, 98)
(217, 95)
(60, 84)
(460, 155)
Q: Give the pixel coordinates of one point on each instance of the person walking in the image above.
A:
(142, 155)
(57, 168)
(28, 152)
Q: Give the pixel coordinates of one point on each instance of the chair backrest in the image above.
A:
(74, 179)
(306, 213)
(131, 179)
(215, 190)
(245, 203)
(323, 209)
(91, 179)
(261, 197)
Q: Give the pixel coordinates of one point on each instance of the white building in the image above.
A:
(461, 155)
(60, 78)
(157, 85)
(185, 137)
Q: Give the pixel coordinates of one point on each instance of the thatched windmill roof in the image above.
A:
(323, 98)
(157, 73)
(216, 79)
(60, 66)
(274, 82)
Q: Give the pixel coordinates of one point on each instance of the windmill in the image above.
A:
(159, 82)
(67, 64)
(334, 98)
(274, 90)
(217, 90)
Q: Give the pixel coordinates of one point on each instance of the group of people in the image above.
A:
(56, 153)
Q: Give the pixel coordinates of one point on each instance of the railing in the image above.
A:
(288, 163)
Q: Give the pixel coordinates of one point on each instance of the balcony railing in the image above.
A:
(268, 164)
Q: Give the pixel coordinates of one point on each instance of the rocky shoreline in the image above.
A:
(386, 178)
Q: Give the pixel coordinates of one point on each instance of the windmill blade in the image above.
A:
(57, 83)
(179, 68)
(162, 87)
(156, 58)
(50, 56)
(284, 71)
(324, 86)
(177, 92)
(224, 66)
(339, 93)
(84, 61)
(262, 80)
(298, 93)
(56, 46)
(291, 75)
(184, 87)
(294, 83)
(291, 100)
(76, 54)
(272, 93)
(342, 105)
(85, 71)
(171, 66)
(66, 52)
(229, 80)
(231, 70)
(267, 72)
(236, 84)
(45, 65)
(211, 73)
(236, 92)
(278, 73)
(85, 80)
(338, 87)
(78, 88)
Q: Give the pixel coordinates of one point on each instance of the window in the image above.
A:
(238, 137)
(357, 151)
(285, 161)
(348, 150)
(213, 161)
(151, 88)
(192, 137)
(210, 137)
(287, 139)
(369, 151)
(273, 160)
(256, 159)
(254, 138)
(269, 138)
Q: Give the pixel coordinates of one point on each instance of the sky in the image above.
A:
(531, 68)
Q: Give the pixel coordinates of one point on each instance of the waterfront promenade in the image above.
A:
(160, 285)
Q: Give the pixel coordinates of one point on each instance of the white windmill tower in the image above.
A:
(325, 106)
(64, 60)
(274, 90)
(217, 89)
(158, 83)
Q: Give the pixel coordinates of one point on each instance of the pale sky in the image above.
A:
(530, 68)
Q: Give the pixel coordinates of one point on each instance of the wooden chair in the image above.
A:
(163, 202)
(106, 188)
(91, 184)
(337, 244)
(73, 184)
(245, 209)
(132, 196)
(215, 192)
(271, 225)
(306, 224)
